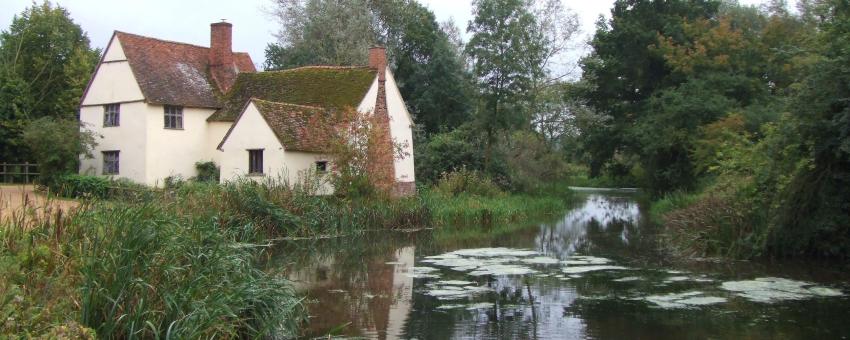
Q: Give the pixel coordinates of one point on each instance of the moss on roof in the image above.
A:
(328, 87)
(298, 127)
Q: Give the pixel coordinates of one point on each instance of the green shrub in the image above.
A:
(469, 182)
(207, 172)
(84, 186)
(447, 152)
(79, 186)
(56, 145)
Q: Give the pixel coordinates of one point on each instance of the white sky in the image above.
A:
(188, 20)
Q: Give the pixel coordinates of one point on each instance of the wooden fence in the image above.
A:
(18, 173)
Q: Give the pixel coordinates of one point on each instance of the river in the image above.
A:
(594, 272)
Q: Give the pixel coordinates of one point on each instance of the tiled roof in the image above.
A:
(321, 86)
(299, 127)
(175, 73)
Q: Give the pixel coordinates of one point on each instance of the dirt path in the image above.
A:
(15, 196)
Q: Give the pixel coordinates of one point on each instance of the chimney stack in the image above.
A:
(221, 44)
(378, 60)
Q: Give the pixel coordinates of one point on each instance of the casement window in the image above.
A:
(111, 115)
(255, 162)
(173, 117)
(110, 163)
(321, 166)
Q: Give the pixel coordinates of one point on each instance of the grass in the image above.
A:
(189, 262)
(670, 202)
(139, 270)
(467, 210)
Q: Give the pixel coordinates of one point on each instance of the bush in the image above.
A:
(84, 186)
(530, 162)
(79, 186)
(56, 145)
(446, 152)
(207, 172)
(468, 182)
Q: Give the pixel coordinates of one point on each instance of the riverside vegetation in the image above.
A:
(188, 261)
(733, 117)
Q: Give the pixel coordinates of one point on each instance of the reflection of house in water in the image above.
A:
(374, 296)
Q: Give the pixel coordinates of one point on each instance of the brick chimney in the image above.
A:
(378, 60)
(381, 167)
(221, 43)
(222, 68)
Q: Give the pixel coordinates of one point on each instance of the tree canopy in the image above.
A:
(45, 64)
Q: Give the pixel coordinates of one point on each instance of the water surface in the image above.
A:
(594, 272)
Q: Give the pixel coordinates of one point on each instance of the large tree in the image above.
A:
(45, 64)
(816, 208)
(507, 52)
(429, 72)
(624, 72)
(321, 32)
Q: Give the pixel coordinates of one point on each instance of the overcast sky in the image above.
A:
(188, 20)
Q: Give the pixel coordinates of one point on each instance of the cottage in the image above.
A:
(161, 106)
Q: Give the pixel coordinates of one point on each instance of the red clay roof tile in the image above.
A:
(176, 73)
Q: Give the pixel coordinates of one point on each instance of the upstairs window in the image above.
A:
(111, 115)
(173, 117)
(110, 162)
(321, 166)
(255, 162)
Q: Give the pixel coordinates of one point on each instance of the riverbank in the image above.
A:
(188, 261)
(592, 270)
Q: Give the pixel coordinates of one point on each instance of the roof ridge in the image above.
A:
(327, 67)
(288, 104)
(170, 41)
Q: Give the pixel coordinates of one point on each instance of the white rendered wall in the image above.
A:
(128, 138)
(174, 152)
(215, 133)
(114, 83)
(252, 132)
(401, 129)
(367, 105)
(114, 51)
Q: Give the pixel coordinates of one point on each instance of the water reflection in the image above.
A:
(365, 286)
(597, 215)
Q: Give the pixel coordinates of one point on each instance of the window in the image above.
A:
(321, 166)
(173, 117)
(255, 161)
(110, 162)
(111, 114)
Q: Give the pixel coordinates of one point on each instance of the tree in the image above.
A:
(56, 145)
(623, 72)
(507, 53)
(428, 70)
(45, 64)
(816, 214)
(321, 32)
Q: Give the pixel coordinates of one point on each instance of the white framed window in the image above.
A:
(173, 117)
(110, 162)
(255, 162)
(111, 115)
